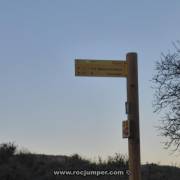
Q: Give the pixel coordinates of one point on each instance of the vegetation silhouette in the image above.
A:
(166, 83)
(23, 165)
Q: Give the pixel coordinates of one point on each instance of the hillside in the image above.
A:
(25, 166)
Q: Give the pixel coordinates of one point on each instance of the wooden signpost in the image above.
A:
(129, 70)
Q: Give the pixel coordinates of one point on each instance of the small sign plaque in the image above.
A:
(126, 129)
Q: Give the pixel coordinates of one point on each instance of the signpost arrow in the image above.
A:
(101, 68)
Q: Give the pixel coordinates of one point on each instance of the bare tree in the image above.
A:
(167, 96)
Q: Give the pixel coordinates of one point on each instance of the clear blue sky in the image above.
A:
(45, 108)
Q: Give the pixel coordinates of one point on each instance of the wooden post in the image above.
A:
(133, 117)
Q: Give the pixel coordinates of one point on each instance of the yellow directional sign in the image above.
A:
(101, 68)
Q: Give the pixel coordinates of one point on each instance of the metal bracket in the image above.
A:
(127, 107)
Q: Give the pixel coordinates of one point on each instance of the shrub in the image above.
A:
(7, 150)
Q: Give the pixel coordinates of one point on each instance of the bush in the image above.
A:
(7, 150)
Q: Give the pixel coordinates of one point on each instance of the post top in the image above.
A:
(131, 55)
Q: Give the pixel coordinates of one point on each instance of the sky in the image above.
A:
(46, 109)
